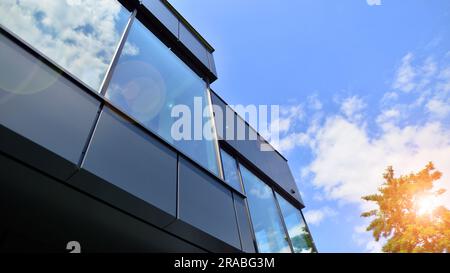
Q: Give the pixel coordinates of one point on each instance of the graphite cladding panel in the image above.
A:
(133, 160)
(269, 162)
(42, 105)
(163, 14)
(206, 204)
(244, 225)
(59, 214)
(194, 45)
(212, 64)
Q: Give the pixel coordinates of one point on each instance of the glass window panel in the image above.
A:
(79, 35)
(269, 231)
(298, 232)
(230, 170)
(149, 80)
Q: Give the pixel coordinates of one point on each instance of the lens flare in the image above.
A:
(425, 205)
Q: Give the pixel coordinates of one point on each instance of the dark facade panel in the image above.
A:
(212, 63)
(244, 225)
(268, 162)
(165, 16)
(41, 214)
(127, 157)
(43, 106)
(33, 154)
(194, 45)
(207, 205)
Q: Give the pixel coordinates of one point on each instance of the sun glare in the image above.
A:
(426, 205)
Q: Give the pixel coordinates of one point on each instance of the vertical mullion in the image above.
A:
(90, 135)
(216, 137)
(116, 55)
(255, 243)
(241, 181)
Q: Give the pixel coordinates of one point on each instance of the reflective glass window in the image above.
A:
(230, 170)
(298, 232)
(269, 231)
(81, 36)
(150, 82)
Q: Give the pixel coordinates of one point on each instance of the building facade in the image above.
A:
(87, 155)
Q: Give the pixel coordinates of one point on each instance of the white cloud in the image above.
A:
(351, 107)
(439, 108)
(388, 117)
(314, 103)
(405, 76)
(292, 138)
(289, 116)
(360, 229)
(365, 240)
(374, 246)
(424, 89)
(130, 49)
(373, 2)
(421, 77)
(444, 81)
(291, 141)
(315, 217)
(389, 97)
(429, 68)
(349, 163)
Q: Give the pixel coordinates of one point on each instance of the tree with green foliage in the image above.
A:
(408, 215)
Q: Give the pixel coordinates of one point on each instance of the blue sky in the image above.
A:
(361, 84)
